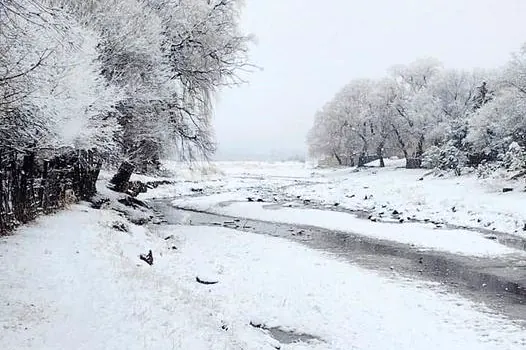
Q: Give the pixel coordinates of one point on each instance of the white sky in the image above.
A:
(311, 48)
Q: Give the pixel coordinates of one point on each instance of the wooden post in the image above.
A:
(43, 190)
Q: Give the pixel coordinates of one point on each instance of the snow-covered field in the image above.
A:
(70, 281)
(74, 280)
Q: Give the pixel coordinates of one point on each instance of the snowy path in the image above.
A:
(65, 287)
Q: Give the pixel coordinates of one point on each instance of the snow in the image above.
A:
(465, 200)
(68, 288)
(220, 177)
(71, 281)
(424, 236)
(346, 306)
(265, 169)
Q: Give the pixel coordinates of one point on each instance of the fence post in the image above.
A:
(3, 199)
(44, 186)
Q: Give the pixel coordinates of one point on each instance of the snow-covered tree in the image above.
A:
(167, 58)
(344, 127)
(383, 116)
(53, 94)
(501, 120)
(205, 50)
(327, 139)
(414, 115)
(454, 95)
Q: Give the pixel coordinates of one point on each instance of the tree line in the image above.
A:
(433, 116)
(132, 79)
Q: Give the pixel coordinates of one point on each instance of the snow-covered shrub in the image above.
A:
(515, 157)
(514, 160)
(452, 157)
(447, 157)
(431, 158)
(487, 169)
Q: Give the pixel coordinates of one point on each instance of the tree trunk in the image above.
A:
(402, 144)
(338, 158)
(416, 162)
(420, 147)
(413, 163)
(380, 154)
(121, 180)
(362, 159)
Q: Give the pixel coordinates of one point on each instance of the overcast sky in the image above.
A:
(311, 48)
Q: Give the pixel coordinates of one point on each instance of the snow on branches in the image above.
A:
(131, 78)
(431, 115)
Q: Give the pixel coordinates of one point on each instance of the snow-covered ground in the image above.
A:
(71, 281)
(423, 236)
(221, 177)
(462, 201)
(465, 201)
(74, 280)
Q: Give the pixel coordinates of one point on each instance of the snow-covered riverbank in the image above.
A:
(415, 194)
(75, 280)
